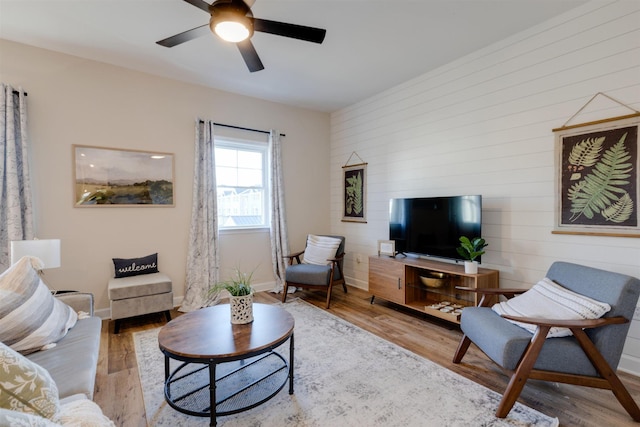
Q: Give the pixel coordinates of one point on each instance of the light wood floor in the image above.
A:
(119, 394)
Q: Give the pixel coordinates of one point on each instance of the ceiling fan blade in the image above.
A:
(300, 32)
(185, 36)
(200, 4)
(250, 55)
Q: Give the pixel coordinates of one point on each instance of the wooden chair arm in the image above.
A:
(337, 258)
(293, 255)
(580, 323)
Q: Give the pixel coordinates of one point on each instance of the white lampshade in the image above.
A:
(47, 250)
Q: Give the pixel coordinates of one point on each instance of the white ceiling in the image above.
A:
(370, 45)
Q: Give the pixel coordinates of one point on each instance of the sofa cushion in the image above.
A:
(73, 363)
(30, 317)
(25, 386)
(319, 249)
(548, 300)
(127, 267)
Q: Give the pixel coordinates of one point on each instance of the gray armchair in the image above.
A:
(313, 276)
(588, 358)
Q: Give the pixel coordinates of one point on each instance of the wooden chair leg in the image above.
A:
(329, 296)
(167, 314)
(519, 378)
(462, 347)
(284, 292)
(605, 371)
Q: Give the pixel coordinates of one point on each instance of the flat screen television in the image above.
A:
(432, 226)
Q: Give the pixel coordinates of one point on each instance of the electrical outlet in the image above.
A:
(636, 314)
(358, 258)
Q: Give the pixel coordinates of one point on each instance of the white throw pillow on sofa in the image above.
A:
(548, 300)
(319, 249)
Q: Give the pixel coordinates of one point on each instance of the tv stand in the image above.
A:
(427, 286)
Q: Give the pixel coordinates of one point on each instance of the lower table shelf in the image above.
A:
(240, 385)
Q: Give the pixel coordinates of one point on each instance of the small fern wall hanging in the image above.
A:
(598, 180)
(354, 181)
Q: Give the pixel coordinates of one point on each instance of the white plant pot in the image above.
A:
(241, 309)
(471, 267)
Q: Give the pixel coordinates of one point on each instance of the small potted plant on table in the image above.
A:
(469, 250)
(241, 296)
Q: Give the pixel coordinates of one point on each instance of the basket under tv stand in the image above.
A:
(426, 285)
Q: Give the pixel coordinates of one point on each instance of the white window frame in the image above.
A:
(262, 148)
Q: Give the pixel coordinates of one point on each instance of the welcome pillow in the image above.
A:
(319, 249)
(30, 317)
(126, 267)
(548, 300)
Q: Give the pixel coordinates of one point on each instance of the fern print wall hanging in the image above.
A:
(598, 178)
(354, 182)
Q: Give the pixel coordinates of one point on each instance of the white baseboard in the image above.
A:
(629, 364)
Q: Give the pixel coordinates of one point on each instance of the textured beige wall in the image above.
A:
(77, 101)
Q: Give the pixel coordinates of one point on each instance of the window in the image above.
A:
(242, 184)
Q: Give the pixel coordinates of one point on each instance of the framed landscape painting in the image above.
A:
(115, 177)
(597, 178)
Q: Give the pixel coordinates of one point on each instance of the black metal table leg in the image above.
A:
(166, 374)
(212, 393)
(291, 364)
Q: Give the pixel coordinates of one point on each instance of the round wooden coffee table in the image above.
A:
(227, 368)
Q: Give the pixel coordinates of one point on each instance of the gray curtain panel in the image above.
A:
(279, 239)
(16, 210)
(202, 255)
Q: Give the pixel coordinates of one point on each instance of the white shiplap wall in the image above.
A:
(483, 125)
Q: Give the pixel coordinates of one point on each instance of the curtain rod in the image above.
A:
(242, 128)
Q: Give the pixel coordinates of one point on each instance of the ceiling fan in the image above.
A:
(232, 20)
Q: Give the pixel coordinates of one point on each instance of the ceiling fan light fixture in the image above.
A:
(231, 27)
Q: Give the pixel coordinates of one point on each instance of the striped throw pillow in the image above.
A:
(548, 300)
(319, 249)
(30, 317)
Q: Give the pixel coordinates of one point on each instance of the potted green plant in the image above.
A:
(469, 250)
(240, 296)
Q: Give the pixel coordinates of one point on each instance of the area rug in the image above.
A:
(345, 376)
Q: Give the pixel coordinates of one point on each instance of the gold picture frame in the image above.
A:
(598, 184)
(111, 177)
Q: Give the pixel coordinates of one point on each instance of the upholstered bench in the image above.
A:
(138, 295)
